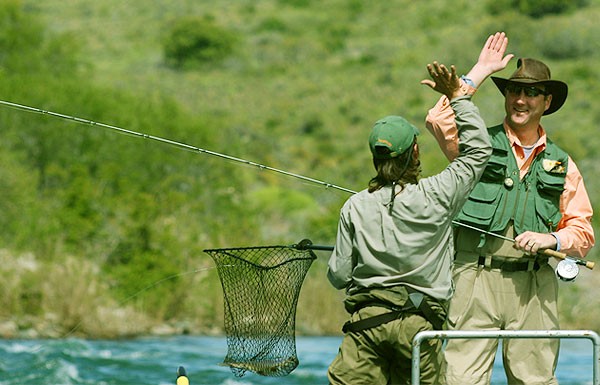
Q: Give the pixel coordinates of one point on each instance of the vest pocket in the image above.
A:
(547, 205)
(479, 207)
(551, 184)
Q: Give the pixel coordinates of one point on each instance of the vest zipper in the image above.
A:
(516, 206)
(524, 208)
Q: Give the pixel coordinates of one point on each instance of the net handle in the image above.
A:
(306, 244)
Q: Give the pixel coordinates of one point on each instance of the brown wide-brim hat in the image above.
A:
(531, 71)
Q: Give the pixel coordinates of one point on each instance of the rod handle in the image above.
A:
(557, 254)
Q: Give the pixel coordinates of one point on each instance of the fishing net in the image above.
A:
(261, 286)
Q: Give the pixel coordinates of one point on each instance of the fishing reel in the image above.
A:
(567, 270)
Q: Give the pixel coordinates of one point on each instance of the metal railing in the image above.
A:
(461, 334)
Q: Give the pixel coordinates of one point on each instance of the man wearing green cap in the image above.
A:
(393, 252)
(532, 192)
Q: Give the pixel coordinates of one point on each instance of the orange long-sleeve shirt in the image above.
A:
(575, 231)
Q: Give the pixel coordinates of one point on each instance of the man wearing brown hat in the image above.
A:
(531, 191)
(392, 253)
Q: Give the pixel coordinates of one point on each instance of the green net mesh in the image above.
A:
(261, 286)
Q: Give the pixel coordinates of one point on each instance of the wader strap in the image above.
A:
(431, 316)
(371, 322)
(381, 319)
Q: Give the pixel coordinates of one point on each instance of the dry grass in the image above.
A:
(61, 299)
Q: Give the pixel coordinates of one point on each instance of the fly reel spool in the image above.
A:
(567, 270)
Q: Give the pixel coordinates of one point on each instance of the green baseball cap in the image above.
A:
(394, 133)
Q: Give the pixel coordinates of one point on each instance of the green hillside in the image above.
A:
(103, 234)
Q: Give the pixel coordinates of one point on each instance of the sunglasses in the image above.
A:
(530, 91)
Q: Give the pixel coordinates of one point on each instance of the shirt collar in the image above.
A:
(516, 143)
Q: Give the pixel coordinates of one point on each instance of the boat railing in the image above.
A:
(478, 334)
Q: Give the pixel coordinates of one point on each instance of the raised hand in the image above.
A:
(443, 80)
(491, 59)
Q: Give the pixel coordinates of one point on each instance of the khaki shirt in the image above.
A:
(413, 244)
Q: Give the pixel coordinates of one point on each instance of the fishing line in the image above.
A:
(135, 295)
(170, 142)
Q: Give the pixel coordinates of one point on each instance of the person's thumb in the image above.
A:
(506, 59)
(427, 82)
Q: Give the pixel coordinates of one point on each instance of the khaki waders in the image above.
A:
(512, 292)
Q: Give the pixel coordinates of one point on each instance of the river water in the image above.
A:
(154, 361)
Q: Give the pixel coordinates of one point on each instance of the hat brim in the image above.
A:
(558, 89)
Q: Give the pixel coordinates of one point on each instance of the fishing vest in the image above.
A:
(501, 196)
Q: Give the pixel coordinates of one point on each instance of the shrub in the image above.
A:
(26, 47)
(569, 38)
(535, 8)
(17, 29)
(296, 3)
(192, 41)
(273, 24)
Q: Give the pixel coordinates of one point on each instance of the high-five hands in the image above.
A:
(443, 80)
(491, 59)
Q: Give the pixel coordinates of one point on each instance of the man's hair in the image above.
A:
(403, 169)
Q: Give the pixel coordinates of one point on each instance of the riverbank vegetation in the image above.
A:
(102, 235)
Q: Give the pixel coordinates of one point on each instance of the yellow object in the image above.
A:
(182, 376)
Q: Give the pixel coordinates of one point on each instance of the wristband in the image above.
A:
(468, 81)
(557, 241)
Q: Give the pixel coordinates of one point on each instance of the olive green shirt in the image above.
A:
(413, 244)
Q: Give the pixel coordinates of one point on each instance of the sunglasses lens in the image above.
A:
(530, 91)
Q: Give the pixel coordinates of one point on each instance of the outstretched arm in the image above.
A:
(491, 58)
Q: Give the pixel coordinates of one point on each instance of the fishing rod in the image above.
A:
(170, 142)
(553, 253)
(548, 252)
